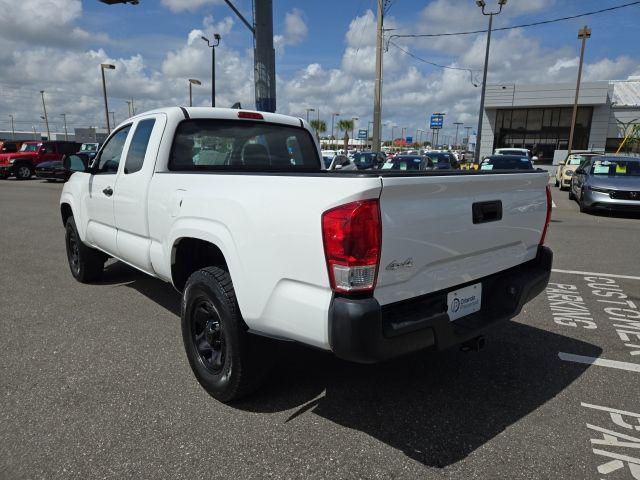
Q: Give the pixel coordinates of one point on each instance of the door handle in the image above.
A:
(108, 191)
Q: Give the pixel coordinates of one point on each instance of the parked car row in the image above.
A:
(44, 159)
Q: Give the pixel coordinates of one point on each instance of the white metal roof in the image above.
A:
(626, 93)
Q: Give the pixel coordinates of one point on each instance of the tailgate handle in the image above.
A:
(484, 212)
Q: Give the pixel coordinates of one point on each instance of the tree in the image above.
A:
(346, 126)
(319, 126)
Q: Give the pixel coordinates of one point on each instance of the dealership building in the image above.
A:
(538, 117)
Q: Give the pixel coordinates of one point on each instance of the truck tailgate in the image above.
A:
(433, 240)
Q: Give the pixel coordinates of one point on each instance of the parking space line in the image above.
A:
(553, 204)
(613, 275)
(601, 362)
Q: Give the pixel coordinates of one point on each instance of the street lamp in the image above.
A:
(13, 128)
(307, 110)
(482, 5)
(353, 125)
(46, 119)
(457, 124)
(192, 81)
(402, 142)
(212, 46)
(64, 118)
(113, 119)
(107, 66)
(583, 34)
(333, 117)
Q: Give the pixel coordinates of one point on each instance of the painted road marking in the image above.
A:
(613, 275)
(601, 362)
(553, 204)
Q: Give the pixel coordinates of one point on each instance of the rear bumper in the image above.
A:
(360, 330)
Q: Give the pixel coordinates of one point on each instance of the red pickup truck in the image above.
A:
(22, 163)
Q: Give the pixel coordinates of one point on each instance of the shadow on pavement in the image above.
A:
(436, 407)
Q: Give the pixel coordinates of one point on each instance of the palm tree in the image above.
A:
(346, 126)
(320, 126)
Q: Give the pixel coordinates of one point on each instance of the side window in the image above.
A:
(109, 158)
(138, 146)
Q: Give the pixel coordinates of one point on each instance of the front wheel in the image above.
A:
(227, 361)
(571, 195)
(86, 264)
(557, 183)
(583, 207)
(23, 172)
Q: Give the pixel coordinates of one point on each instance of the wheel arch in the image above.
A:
(191, 253)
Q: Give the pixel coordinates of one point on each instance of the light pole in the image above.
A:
(64, 119)
(212, 46)
(307, 110)
(457, 124)
(192, 81)
(353, 126)
(113, 119)
(104, 92)
(333, 117)
(468, 129)
(13, 128)
(393, 127)
(46, 119)
(402, 136)
(129, 107)
(482, 4)
(583, 34)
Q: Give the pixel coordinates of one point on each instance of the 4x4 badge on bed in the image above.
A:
(408, 263)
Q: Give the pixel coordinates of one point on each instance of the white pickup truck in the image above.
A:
(236, 210)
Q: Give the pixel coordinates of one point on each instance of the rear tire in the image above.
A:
(227, 361)
(23, 172)
(86, 264)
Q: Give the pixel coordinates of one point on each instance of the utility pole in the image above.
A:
(46, 119)
(583, 34)
(64, 118)
(264, 57)
(104, 92)
(482, 4)
(333, 116)
(377, 93)
(13, 128)
(457, 124)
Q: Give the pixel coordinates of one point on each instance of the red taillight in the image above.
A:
(251, 115)
(548, 220)
(351, 235)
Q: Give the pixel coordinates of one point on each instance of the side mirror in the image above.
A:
(76, 163)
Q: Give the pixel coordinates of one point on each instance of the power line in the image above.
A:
(407, 52)
(544, 22)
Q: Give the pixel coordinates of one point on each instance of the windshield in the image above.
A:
(30, 147)
(512, 152)
(364, 158)
(615, 167)
(403, 163)
(504, 162)
(575, 159)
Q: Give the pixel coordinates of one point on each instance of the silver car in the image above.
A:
(607, 182)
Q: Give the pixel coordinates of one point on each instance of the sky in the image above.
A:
(325, 56)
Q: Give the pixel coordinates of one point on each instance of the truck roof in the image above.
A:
(223, 114)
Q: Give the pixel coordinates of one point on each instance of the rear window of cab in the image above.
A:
(239, 145)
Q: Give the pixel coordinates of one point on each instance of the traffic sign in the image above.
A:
(409, 140)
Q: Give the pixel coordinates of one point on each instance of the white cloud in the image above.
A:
(188, 5)
(607, 69)
(295, 30)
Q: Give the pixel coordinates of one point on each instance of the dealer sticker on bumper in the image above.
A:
(464, 301)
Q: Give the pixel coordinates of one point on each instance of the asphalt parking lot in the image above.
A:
(95, 383)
